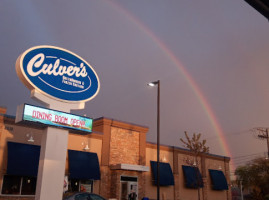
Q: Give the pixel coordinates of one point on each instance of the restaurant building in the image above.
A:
(114, 161)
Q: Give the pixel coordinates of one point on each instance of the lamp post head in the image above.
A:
(152, 84)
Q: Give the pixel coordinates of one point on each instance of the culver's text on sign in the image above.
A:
(58, 73)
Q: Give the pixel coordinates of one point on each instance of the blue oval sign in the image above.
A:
(58, 73)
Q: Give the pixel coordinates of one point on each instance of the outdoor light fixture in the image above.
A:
(191, 161)
(31, 138)
(152, 84)
(86, 148)
(163, 158)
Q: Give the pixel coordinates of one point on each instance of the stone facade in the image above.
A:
(124, 146)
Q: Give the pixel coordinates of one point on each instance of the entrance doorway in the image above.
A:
(129, 188)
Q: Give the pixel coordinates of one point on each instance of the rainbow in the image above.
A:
(195, 88)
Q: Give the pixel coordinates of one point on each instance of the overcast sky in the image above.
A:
(211, 57)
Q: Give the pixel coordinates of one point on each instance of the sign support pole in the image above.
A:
(52, 160)
(51, 169)
(60, 80)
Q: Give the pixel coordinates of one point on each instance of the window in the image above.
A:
(28, 186)
(76, 185)
(19, 185)
(11, 185)
(86, 186)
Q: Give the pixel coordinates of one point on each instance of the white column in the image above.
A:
(52, 159)
(51, 169)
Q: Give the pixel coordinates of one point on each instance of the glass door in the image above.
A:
(129, 188)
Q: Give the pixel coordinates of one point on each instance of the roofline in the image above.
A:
(150, 143)
(187, 150)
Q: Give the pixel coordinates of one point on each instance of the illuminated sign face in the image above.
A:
(55, 118)
(58, 73)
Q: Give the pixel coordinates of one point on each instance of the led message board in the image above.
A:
(29, 113)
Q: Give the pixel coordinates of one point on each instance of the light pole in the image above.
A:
(152, 84)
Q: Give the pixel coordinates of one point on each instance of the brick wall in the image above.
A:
(227, 174)
(124, 146)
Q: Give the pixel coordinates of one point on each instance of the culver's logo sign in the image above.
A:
(58, 73)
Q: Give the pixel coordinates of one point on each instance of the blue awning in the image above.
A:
(83, 165)
(193, 177)
(166, 174)
(218, 179)
(23, 159)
